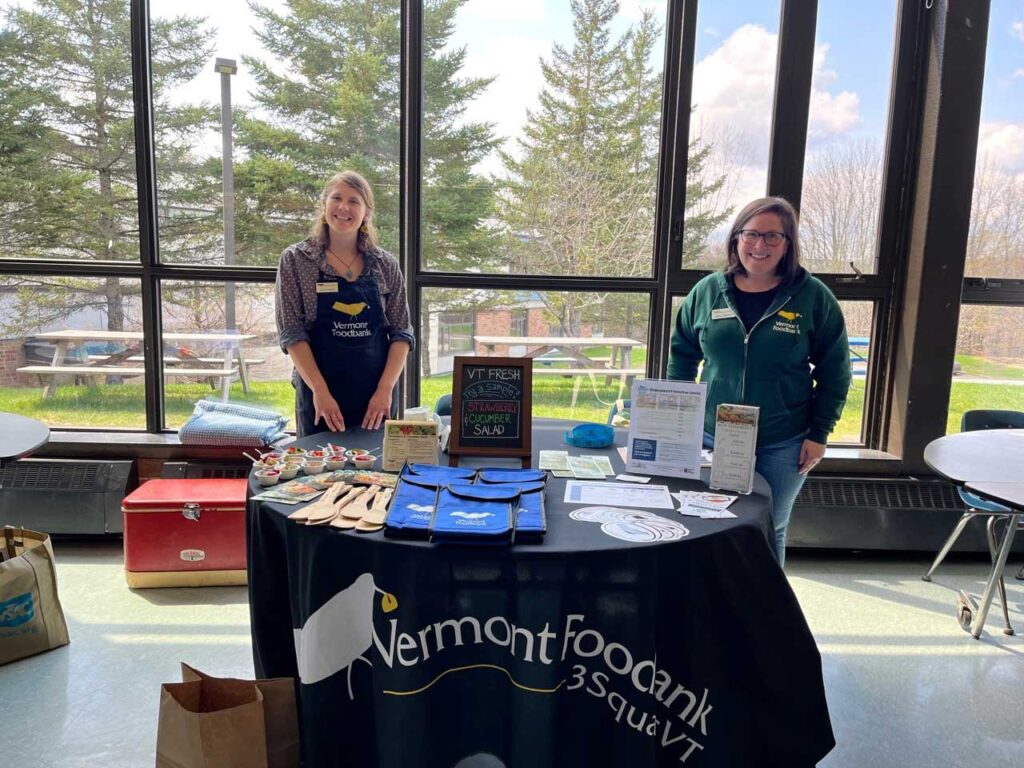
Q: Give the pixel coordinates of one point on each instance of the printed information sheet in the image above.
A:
(666, 428)
(409, 441)
(732, 463)
(616, 495)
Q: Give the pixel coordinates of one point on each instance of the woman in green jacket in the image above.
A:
(771, 335)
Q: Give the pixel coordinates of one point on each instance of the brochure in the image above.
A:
(733, 457)
(666, 428)
(409, 442)
(618, 495)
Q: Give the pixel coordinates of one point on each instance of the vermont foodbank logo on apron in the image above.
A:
(346, 324)
(639, 695)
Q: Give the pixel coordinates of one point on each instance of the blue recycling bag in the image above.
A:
(412, 508)
(437, 474)
(500, 475)
(473, 514)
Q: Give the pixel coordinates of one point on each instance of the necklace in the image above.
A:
(348, 266)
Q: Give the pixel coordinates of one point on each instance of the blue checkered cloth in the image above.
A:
(216, 423)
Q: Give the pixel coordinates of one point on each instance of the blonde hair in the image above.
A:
(790, 263)
(366, 240)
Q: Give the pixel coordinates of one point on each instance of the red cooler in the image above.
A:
(185, 533)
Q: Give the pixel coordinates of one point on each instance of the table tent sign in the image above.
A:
(732, 463)
(666, 428)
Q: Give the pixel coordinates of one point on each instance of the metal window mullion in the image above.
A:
(411, 174)
(791, 105)
(149, 248)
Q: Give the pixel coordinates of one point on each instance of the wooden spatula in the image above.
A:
(379, 509)
(302, 515)
(339, 520)
(358, 508)
(321, 512)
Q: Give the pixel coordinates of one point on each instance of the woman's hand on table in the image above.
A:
(810, 454)
(327, 407)
(378, 409)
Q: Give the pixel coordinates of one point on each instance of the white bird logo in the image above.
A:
(421, 507)
(340, 632)
(472, 515)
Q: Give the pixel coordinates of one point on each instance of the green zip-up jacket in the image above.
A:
(794, 363)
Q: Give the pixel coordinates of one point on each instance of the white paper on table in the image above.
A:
(617, 495)
(666, 428)
(633, 478)
(585, 468)
(553, 460)
(603, 463)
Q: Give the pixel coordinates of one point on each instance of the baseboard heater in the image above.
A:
(205, 470)
(65, 496)
(902, 514)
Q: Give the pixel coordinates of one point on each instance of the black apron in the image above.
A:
(350, 346)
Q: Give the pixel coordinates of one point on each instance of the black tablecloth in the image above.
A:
(582, 651)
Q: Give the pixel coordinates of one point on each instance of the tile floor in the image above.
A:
(906, 686)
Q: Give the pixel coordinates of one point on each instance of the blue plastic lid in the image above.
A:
(590, 436)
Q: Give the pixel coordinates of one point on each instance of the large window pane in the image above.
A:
(541, 136)
(995, 247)
(733, 87)
(842, 186)
(67, 145)
(72, 351)
(603, 350)
(989, 368)
(315, 92)
(242, 355)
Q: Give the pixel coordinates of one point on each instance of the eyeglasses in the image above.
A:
(751, 236)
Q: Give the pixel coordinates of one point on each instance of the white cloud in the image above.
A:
(1003, 145)
(501, 10)
(734, 85)
(1019, 73)
(712, 32)
(1017, 30)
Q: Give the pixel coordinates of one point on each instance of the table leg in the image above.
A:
(997, 570)
(60, 352)
(243, 369)
(225, 382)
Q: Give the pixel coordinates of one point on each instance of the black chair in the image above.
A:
(971, 421)
(443, 406)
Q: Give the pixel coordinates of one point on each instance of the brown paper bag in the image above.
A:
(31, 619)
(211, 722)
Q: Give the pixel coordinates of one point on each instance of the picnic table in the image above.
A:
(128, 358)
(569, 349)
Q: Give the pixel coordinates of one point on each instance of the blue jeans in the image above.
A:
(779, 464)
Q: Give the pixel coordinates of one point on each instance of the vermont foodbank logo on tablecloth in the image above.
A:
(641, 696)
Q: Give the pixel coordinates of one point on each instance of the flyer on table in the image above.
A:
(732, 463)
(666, 428)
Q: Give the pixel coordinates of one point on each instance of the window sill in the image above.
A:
(132, 445)
(859, 461)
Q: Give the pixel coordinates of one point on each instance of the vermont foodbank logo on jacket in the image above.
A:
(785, 322)
(564, 657)
(346, 324)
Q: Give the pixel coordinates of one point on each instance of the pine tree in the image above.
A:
(68, 119)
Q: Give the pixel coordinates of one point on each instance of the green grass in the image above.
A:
(980, 366)
(123, 406)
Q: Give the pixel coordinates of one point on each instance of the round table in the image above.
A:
(984, 461)
(551, 653)
(22, 436)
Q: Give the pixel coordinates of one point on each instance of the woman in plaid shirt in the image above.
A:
(342, 315)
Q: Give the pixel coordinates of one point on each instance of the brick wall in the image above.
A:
(493, 322)
(12, 357)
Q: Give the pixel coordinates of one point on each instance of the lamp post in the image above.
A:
(226, 68)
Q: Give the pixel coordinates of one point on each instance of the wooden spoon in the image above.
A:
(339, 520)
(301, 515)
(361, 506)
(380, 508)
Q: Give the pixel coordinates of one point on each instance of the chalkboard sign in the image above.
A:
(491, 401)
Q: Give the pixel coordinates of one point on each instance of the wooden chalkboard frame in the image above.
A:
(456, 442)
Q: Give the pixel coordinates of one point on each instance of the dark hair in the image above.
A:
(790, 262)
(367, 238)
